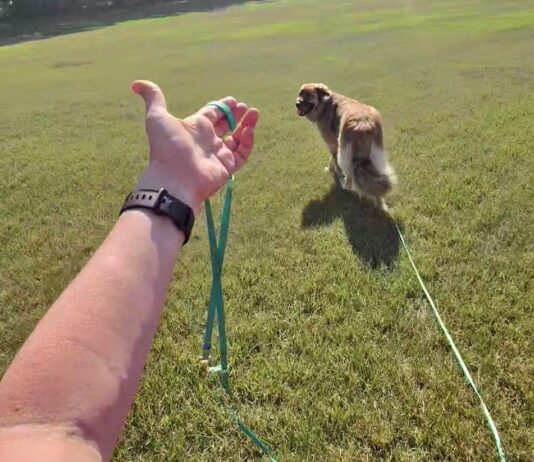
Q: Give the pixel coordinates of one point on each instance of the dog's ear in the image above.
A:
(323, 92)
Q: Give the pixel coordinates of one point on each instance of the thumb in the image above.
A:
(152, 94)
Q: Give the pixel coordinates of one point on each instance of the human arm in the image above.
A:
(69, 389)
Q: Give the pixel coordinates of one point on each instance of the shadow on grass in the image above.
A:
(371, 232)
(23, 30)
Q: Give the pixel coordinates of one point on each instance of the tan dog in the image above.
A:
(353, 133)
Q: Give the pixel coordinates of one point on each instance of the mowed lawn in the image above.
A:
(334, 353)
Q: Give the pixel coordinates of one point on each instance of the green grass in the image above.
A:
(334, 354)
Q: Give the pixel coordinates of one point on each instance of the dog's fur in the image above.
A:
(353, 134)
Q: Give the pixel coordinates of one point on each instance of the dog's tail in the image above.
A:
(374, 176)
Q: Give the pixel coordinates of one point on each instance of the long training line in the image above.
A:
(487, 416)
(216, 310)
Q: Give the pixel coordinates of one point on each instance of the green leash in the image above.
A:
(216, 304)
(487, 416)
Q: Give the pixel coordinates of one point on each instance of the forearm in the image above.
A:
(82, 364)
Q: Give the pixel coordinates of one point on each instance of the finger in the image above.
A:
(250, 119)
(227, 158)
(245, 144)
(151, 94)
(242, 150)
(239, 161)
(222, 127)
(214, 114)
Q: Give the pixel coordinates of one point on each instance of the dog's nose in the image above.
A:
(299, 102)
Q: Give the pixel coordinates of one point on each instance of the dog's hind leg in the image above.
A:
(374, 176)
(379, 203)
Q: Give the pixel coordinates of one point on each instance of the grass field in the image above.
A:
(334, 353)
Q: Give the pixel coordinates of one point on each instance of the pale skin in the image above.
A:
(67, 393)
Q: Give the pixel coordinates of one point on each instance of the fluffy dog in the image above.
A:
(353, 134)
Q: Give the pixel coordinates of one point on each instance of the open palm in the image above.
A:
(188, 156)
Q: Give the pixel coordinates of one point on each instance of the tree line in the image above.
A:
(33, 8)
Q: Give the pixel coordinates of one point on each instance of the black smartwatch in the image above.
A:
(162, 203)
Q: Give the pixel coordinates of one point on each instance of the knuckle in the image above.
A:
(154, 115)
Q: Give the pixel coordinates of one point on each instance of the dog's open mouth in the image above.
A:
(303, 107)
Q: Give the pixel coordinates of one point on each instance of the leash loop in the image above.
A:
(216, 302)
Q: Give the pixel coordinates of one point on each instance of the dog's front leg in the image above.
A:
(343, 160)
(334, 167)
(347, 182)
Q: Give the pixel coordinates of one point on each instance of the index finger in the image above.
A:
(217, 116)
(227, 112)
(241, 137)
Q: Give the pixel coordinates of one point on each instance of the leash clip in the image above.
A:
(204, 361)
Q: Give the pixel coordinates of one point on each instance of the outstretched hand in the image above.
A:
(189, 157)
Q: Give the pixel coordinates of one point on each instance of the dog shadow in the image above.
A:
(370, 231)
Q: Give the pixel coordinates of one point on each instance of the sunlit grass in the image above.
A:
(334, 354)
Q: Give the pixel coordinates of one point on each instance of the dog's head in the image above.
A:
(311, 98)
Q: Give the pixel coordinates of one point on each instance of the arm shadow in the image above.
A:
(370, 231)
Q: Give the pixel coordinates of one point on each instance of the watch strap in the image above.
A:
(162, 203)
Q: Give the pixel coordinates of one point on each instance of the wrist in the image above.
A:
(160, 224)
(162, 203)
(157, 176)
